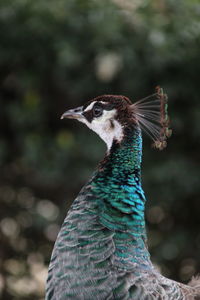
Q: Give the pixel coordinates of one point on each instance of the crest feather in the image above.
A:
(152, 116)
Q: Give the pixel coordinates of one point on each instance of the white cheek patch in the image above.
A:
(106, 127)
(107, 115)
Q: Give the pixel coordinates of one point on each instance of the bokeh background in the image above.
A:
(55, 55)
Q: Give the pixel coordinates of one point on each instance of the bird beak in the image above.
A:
(75, 113)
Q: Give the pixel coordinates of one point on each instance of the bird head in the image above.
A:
(109, 115)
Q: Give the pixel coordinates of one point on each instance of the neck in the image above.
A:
(117, 186)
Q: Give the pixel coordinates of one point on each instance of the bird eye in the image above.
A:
(97, 111)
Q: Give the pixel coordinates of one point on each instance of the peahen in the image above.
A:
(101, 251)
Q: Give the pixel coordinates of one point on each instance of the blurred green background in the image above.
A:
(55, 55)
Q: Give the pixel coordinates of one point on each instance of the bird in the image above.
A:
(101, 252)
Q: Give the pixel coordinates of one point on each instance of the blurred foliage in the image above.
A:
(55, 55)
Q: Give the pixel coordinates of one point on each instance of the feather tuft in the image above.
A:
(195, 281)
(152, 116)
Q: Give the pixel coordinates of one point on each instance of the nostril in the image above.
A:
(77, 110)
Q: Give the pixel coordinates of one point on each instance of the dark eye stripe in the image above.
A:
(93, 113)
(108, 106)
(89, 115)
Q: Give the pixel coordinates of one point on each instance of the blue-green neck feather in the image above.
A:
(121, 201)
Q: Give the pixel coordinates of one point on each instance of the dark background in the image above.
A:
(55, 55)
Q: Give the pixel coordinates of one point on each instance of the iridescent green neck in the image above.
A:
(117, 186)
(120, 201)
